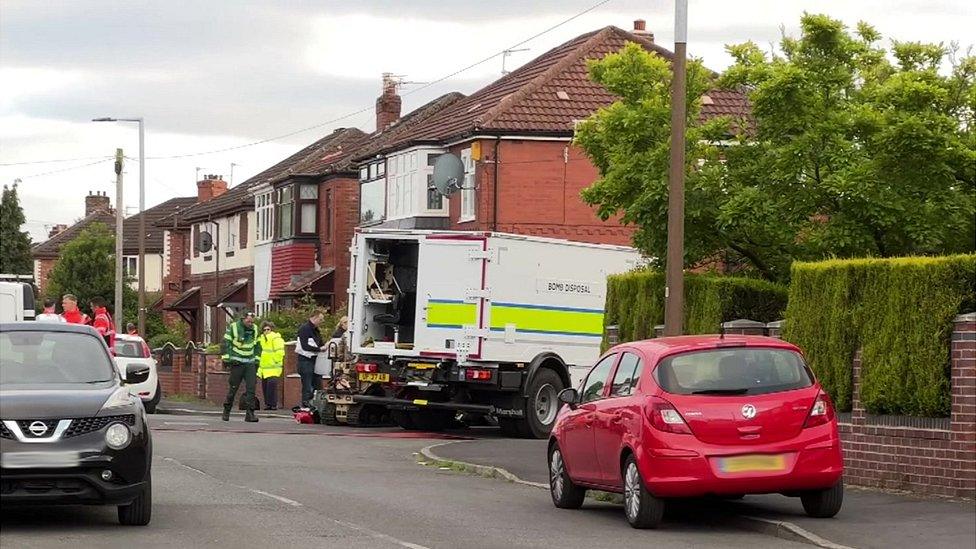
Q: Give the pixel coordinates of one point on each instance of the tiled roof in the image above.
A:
(154, 234)
(130, 229)
(549, 94)
(51, 247)
(334, 156)
(389, 138)
(300, 282)
(239, 198)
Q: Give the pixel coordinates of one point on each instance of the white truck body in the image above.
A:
(485, 297)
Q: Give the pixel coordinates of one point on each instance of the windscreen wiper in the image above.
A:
(721, 392)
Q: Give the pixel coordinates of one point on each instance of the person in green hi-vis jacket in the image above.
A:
(241, 353)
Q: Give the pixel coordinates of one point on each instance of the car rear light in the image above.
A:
(822, 411)
(146, 353)
(665, 417)
(473, 374)
(363, 367)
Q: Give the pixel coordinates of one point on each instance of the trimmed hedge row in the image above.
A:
(635, 302)
(899, 312)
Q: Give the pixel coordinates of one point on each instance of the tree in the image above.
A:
(86, 268)
(848, 153)
(15, 254)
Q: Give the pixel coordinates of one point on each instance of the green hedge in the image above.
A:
(898, 311)
(635, 302)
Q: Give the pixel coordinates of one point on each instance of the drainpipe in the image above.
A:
(494, 188)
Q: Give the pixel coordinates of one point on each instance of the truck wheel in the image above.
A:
(542, 405)
(403, 419)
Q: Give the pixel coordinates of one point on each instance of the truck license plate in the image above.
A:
(374, 378)
(39, 460)
(752, 464)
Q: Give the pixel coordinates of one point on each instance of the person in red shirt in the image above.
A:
(72, 314)
(103, 321)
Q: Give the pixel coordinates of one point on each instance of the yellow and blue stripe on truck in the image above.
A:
(527, 318)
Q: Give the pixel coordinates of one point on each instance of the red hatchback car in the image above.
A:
(693, 416)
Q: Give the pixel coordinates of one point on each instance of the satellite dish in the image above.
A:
(448, 174)
(206, 242)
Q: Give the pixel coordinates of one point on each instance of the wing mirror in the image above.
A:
(570, 396)
(136, 373)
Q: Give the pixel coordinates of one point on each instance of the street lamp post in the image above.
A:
(674, 291)
(142, 220)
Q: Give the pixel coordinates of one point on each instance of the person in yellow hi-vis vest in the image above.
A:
(271, 365)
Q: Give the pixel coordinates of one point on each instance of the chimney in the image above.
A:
(56, 230)
(210, 187)
(640, 29)
(387, 104)
(97, 201)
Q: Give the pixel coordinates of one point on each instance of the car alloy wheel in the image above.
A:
(556, 471)
(632, 491)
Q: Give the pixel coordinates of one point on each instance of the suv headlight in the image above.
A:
(119, 399)
(118, 436)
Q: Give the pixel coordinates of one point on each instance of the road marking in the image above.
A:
(378, 535)
(350, 525)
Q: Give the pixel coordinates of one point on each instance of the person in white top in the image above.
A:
(49, 314)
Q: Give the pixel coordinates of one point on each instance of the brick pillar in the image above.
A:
(744, 326)
(963, 416)
(857, 409)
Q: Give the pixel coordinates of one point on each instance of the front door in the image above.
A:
(450, 280)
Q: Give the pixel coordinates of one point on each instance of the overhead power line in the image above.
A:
(53, 161)
(68, 169)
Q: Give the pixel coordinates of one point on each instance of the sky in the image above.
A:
(225, 74)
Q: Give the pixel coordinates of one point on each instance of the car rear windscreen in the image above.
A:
(733, 371)
(35, 357)
(128, 349)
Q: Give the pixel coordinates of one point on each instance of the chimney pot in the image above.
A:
(95, 202)
(640, 29)
(388, 103)
(210, 187)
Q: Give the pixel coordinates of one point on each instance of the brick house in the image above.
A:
(98, 209)
(514, 137)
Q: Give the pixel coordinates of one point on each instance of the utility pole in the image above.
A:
(142, 229)
(119, 323)
(674, 290)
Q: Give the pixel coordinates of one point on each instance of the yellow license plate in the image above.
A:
(421, 365)
(752, 464)
(374, 378)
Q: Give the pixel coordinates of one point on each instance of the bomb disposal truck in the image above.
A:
(481, 324)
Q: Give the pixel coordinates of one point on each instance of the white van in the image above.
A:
(16, 301)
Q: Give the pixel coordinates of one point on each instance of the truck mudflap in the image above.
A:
(421, 404)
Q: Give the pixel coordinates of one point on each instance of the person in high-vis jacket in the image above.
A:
(241, 353)
(271, 364)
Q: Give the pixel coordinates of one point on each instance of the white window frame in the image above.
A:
(232, 224)
(264, 214)
(467, 192)
(130, 266)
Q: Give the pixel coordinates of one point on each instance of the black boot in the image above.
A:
(226, 415)
(249, 416)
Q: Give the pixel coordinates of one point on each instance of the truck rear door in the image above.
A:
(450, 294)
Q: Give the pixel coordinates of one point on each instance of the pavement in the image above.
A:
(217, 486)
(869, 519)
(197, 407)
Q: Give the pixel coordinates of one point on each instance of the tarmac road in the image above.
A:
(218, 485)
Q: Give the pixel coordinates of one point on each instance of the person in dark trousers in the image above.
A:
(310, 344)
(241, 352)
(271, 365)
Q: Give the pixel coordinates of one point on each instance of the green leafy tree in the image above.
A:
(853, 150)
(86, 268)
(15, 254)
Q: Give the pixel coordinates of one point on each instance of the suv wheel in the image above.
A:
(151, 405)
(565, 494)
(139, 512)
(824, 503)
(643, 510)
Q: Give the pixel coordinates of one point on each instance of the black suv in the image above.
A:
(70, 432)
